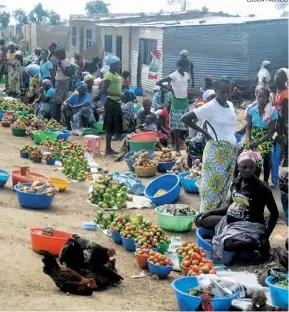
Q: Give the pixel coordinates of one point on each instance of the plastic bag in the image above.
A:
(276, 150)
(133, 184)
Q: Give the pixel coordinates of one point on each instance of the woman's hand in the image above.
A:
(201, 216)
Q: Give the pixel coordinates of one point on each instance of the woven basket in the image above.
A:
(145, 172)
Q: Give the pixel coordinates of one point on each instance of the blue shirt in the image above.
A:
(49, 93)
(75, 100)
(45, 70)
(32, 69)
(257, 120)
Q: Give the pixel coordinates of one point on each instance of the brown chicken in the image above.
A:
(66, 279)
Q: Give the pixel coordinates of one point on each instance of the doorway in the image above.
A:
(119, 48)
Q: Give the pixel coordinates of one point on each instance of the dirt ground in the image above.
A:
(23, 284)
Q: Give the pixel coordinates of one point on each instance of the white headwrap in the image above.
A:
(254, 156)
(208, 94)
(264, 73)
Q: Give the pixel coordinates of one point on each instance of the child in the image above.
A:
(180, 102)
(148, 125)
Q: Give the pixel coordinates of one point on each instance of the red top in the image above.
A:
(164, 113)
(279, 97)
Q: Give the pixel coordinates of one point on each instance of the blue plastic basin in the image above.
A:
(189, 185)
(34, 201)
(160, 270)
(24, 154)
(279, 295)
(4, 176)
(130, 162)
(116, 237)
(1, 116)
(188, 302)
(128, 244)
(62, 134)
(165, 166)
(167, 182)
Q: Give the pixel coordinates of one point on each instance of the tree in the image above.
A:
(54, 18)
(38, 14)
(4, 19)
(182, 3)
(20, 16)
(93, 7)
(205, 9)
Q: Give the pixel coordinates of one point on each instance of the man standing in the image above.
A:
(184, 55)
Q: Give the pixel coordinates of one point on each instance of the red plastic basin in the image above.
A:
(145, 136)
(17, 177)
(52, 244)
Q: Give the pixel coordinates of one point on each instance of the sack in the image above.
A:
(133, 184)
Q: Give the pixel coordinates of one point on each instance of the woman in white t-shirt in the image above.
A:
(61, 79)
(220, 153)
(179, 102)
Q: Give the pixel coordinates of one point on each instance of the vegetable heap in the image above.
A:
(178, 210)
(52, 124)
(14, 105)
(179, 167)
(104, 222)
(18, 125)
(159, 259)
(196, 170)
(75, 167)
(201, 290)
(194, 259)
(166, 156)
(108, 193)
(38, 187)
(142, 159)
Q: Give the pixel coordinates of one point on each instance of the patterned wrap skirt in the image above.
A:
(175, 119)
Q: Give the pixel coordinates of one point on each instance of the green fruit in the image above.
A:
(119, 206)
(100, 204)
(124, 189)
(105, 205)
(112, 203)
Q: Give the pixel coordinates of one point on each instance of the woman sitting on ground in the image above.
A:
(241, 226)
(45, 104)
(164, 130)
(77, 110)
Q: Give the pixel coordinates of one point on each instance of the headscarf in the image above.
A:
(47, 82)
(254, 156)
(184, 52)
(264, 73)
(81, 84)
(112, 59)
(208, 94)
(285, 70)
(88, 77)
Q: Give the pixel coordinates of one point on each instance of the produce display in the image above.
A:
(75, 167)
(196, 170)
(142, 159)
(108, 194)
(38, 187)
(178, 210)
(18, 125)
(36, 153)
(36, 124)
(166, 156)
(52, 124)
(104, 221)
(144, 252)
(25, 119)
(49, 156)
(25, 148)
(179, 167)
(195, 260)
(159, 259)
(5, 122)
(201, 290)
(15, 105)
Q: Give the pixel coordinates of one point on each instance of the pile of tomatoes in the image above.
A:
(159, 259)
(194, 260)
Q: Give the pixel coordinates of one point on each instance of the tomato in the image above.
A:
(184, 244)
(205, 269)
(195, 269)
(194, 256)
(186, 263)
(213, 271)
(195, 262)
(203, 254)
(184, 254)
(145, 255)
(198, 257)
(162, 263)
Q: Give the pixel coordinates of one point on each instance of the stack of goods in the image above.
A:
(142, 159)
(166, 156)
(119, 223)
(76, 168)
(159, 259)
(18, 125)
(177, 210)
(179, 167)
(109, 194)
(194, 260)
(105, 222)
(15, 106)
(38, 187)
(36, 124)
(201, 290)
(6, 122)
(25, 119)
(52, 124)
(195, 171)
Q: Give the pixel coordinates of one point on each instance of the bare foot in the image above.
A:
(110, 152)
(178, 153)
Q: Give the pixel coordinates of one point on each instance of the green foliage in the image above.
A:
(20, 16)
(4, 19)
(98, 6)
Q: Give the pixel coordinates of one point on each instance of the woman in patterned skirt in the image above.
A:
(179, 102)
(220, 152)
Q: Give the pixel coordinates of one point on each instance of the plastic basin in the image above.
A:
(163, 248)
(128, 244)
(36, 160)
(24, 154)
(165, 166)
(189, 185)
(50, 162)
(4, 176)
(1, 116)
(142, 261)
(136, 146)
(145, 136)
(130, 162)
(33, 176)
(279, 295)
(52, 244)
(116, 237)
(40, 136)
(174, 223)
(99, 127)
(167, 182)
(188, 302)
(31, 200)
(160, 270)
(61, 184)
(62, 134)
(18, 132)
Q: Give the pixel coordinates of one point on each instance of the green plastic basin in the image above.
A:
(136, 146)
(18, 132)
(174, 223)
(40, 136)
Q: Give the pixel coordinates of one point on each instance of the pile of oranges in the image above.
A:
(194, 260)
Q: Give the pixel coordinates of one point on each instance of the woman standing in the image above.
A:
(14, 74)
(112, 88)
(61, 79)
(281, 104)
(180, 102)
(46, 67)
(261, 124)
(220, 152)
